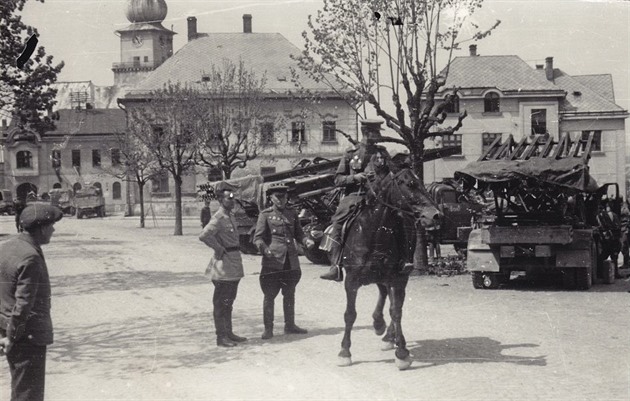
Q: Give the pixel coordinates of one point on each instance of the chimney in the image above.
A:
(192, 28)
(473, 50)
(247, 23)
(549, 68)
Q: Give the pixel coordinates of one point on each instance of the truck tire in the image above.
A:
(569, 279)
(584, 277)
(316, 256)
(608, 270)
(488, 280)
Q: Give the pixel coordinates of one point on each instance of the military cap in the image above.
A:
(277, 189)
(39, 215)
(225, 186)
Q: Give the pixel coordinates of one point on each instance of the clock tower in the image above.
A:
(145, 44)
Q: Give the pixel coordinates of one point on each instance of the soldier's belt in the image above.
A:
(232, 249)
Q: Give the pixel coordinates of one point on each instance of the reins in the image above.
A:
(389, 205)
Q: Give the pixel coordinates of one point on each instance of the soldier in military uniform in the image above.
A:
(276, 231)
(352, 176)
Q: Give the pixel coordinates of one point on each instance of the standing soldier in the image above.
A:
(25, 323)
(276, 231)
(226, 266)
(351, 176)
(205, 213)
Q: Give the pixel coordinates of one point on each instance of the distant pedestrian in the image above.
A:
(276, 231)
(434, 237)
(205, 214)
(18, 206)
(226, 265)
(25, 323)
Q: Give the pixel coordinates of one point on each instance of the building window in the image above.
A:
(56, 159)
(116, 190)
(452, 140)
(98, 186)
(539, 121)
(146, 59)
(266, 133)
(115, 155)
(486, 140)
(76, 158)
(136, 61)
(491, 103)
(298, 132)
(328, 130)
(160, 182)
(215, 174)
(454, 106)
(597, 140)
(267, 170)
(24, 159)
(96, 158)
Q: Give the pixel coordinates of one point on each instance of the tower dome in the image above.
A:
(149, 11)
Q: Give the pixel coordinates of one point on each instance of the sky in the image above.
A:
(583, 36)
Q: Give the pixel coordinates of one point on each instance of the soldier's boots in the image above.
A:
(223, 341)
(294, 329)
(267, 334)
(268, 319)
(237, 339)
(228, 328)
(335, 274)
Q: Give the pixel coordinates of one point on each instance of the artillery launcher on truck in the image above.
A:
(548, 214)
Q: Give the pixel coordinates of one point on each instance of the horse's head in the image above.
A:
(407, 193)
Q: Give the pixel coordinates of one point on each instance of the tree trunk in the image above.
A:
(178, 205)
(141, 189)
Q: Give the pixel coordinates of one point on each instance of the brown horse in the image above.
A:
(377, 244)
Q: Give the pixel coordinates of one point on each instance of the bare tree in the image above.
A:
(132, 161)
(167, 125)
(386, 54)
(236, 123)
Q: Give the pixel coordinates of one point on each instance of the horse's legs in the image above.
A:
(379, 322)
(350, 315)
(396, 300)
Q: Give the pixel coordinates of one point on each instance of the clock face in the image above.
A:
(137, 40)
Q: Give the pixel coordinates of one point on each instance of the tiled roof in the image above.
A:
(505, 73)
(261, 52)
(89, 122)
(600, 83)
(581, 98)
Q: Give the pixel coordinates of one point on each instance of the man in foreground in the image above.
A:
(25, 323)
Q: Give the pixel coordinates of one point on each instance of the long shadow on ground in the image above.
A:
(469, 350)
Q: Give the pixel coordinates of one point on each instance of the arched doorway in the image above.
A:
(23, 190)
(56, 185)
(98, 186)
(76, 187)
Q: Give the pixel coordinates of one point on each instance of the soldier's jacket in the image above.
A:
(275, 236)
(355, 160)
(221, 234)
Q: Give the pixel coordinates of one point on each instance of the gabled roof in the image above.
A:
(506, 73)
(89, 122)
(581, 98)
(261, 52)
(602, 84)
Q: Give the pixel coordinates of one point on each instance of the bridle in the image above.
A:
(387, 204)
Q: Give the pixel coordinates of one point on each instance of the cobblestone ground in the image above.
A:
(132, 314)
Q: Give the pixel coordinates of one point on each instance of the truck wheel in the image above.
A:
(583, 276)
(487, 281)
(316, 256)
(79, 214)
(569, 279)
(608, 270)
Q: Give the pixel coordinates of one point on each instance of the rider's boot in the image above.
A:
(335, 272)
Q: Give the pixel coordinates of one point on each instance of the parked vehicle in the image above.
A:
(63, 199)
(89, 201)
(547, 216)
(6, 202)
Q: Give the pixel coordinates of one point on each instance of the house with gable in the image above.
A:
(504, 95)
(302, 134)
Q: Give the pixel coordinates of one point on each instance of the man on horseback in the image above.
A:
(352, 176)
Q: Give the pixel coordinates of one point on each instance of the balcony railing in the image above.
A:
(132, 64)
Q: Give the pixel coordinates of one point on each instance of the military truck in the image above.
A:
(89, 201)
(63, 199)
(547, 215)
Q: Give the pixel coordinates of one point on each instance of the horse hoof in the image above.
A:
(344, 361)
(387, 346)
(403, 364)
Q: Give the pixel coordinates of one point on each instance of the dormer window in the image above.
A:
(491, 103)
